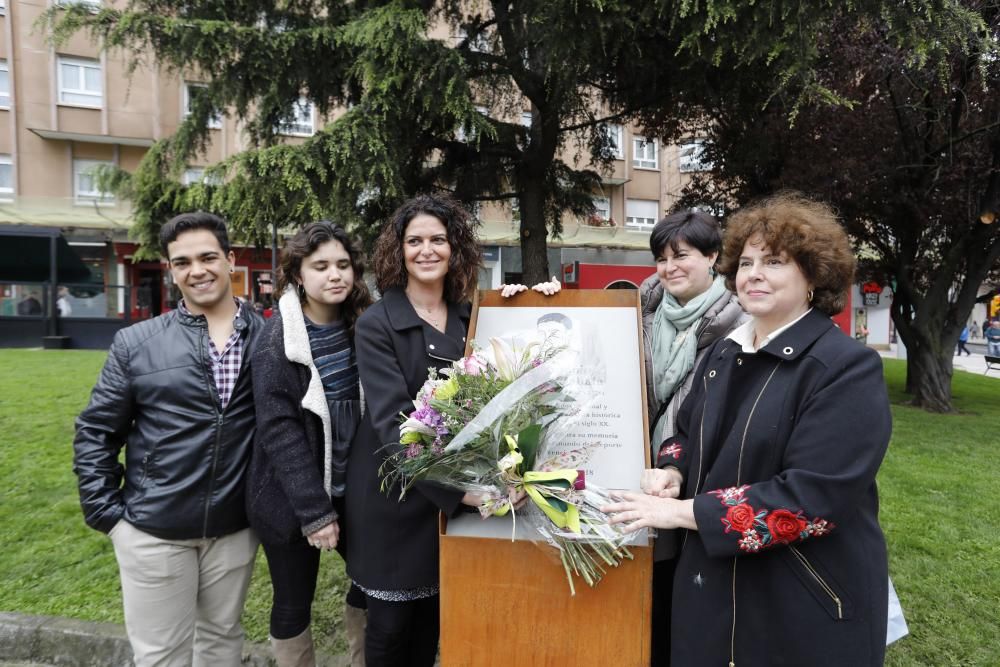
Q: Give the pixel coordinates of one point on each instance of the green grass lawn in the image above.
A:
(938, 489)
(52, 563)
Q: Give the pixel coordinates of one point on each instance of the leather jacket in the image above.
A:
(185, 457)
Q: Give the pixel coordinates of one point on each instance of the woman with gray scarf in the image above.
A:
(685, 308)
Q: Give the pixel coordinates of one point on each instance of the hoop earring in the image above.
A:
(809, 296)
(302, 292)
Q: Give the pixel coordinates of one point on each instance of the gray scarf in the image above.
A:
(675, 340)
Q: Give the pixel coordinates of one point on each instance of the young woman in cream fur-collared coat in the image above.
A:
(309, 404)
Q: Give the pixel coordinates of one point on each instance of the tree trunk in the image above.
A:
(929, 375)
(534, 256)
(928, 360)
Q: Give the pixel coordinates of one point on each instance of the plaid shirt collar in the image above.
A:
(225, 364)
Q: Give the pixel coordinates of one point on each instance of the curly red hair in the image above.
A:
(808, 232)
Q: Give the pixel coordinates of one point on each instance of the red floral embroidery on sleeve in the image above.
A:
(761, 528)
(739, 518)
(673, 450)
(732, 495)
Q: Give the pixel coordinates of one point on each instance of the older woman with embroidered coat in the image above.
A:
(776, 450)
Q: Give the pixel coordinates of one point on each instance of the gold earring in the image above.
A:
(809, 295)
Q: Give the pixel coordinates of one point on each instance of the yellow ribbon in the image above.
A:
(568, 518)
(533, 482)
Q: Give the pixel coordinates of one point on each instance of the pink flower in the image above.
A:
(472, 365)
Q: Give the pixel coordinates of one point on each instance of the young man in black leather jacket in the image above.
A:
(175, 393)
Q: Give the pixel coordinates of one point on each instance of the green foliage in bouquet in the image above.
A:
(486, 426)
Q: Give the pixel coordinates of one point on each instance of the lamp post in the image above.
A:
(274, 255)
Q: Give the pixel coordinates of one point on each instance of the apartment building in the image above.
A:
(65, 111)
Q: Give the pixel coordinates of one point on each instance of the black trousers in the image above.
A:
(402, 634)
(294, 568)
(663, 592)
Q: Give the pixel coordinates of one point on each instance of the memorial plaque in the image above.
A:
(486, 577)
(611, 426)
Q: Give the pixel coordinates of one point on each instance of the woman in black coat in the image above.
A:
(777, 448)
(308, 403)
(426, 264)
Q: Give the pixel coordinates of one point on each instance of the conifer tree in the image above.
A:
(411, 78)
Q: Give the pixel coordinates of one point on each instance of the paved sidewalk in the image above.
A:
(975, 363)
(37, 641)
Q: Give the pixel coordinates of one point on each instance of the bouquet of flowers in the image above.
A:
(489, 423)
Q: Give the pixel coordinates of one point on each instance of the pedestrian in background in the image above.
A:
(963, 338)
(992, 336)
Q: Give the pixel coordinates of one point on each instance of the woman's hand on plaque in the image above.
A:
(662, 482)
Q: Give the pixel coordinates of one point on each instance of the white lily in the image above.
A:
(412, 424)
(511, 361)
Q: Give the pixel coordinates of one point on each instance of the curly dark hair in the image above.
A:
(808, 232)
(304, 243)
(466, 255)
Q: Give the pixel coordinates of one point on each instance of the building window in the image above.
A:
(299, 122)
(94, 5)
(3, 7)
(692, 156)
(194, 175)
(464, 134)
(645, 153)
(191, 90)
(4, 85)
(80, 82)
(641, 213)
(478, 44)
(6, 179)
(85, 188)
(602, 208)
(616, 135)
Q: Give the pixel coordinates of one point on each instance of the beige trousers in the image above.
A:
(183, 598)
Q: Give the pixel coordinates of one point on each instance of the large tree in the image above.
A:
(912, 164)
(413, 121)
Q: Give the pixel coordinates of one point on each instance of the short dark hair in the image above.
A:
(808, 232)
(304, 243)
(699, 230)
(466, 255)
(185, 222)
